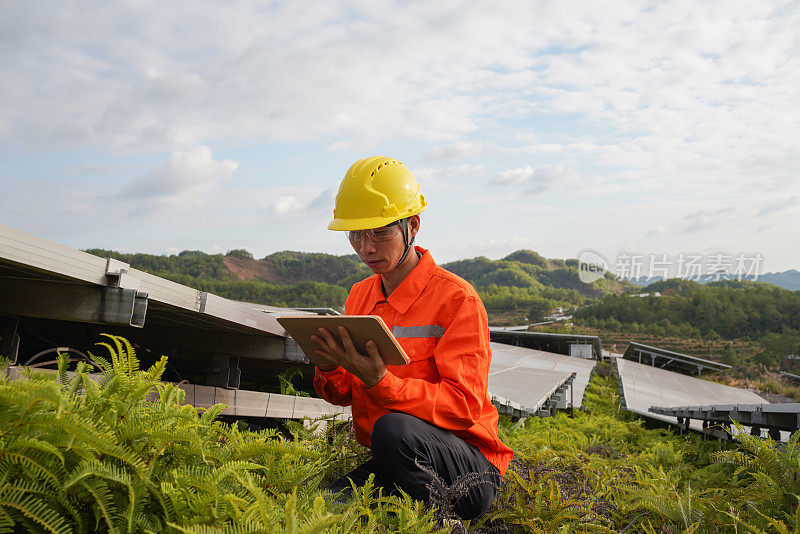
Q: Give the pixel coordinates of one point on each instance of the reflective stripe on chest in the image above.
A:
(428, 330)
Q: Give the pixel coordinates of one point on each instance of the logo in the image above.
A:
(592, 266)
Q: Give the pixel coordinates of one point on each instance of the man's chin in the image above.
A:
(378, 267)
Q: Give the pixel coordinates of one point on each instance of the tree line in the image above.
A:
(523, 281)
(719, 310)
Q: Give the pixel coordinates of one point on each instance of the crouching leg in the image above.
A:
(408, 451)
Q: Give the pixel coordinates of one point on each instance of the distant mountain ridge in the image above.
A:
(787, 279)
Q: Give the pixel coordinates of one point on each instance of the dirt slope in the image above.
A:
(247, 269)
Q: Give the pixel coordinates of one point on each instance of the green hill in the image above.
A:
(729, 310)
(510, 287)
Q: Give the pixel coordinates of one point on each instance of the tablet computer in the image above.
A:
(362, 328)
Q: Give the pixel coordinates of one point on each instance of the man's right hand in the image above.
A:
(369, 368)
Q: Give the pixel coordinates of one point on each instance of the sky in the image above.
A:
(651, 129)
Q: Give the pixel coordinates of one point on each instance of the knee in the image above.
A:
(393, 431)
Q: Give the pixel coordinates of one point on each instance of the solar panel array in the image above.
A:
(522, 379)
(643, 386)
(548, 341)
(774, 417)
(526, 390)
(528, 375)
(668, 359)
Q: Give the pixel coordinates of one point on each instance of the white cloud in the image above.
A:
(659, 230)
(538, 180)
(778, 206)
(454, 151)
(764, 228)
(499, 247)
(670, 83)
(674, 99)
(288, 204)
(464, 170)
(323, 201)
(187, 177)
(705, 220)
(339, 146)
(89, 167)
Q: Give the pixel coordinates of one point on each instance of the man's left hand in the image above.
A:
(370, 368)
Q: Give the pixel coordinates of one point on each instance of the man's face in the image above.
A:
(382, 256)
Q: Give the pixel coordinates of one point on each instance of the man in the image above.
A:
(435, 411)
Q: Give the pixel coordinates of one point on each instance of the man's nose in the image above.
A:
(367, 246)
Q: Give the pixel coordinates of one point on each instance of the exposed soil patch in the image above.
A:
(247, 269)
(776, 397)
(780, 393)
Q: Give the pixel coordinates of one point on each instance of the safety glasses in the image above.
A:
(376, 235)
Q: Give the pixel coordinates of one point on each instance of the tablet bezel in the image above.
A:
(361, 328)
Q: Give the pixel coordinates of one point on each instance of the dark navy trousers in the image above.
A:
(400, 440)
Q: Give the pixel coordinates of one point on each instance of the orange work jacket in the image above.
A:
(439, 320)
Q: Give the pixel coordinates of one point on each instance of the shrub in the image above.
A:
(124, 455)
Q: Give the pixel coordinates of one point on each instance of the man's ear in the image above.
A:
(413, 225)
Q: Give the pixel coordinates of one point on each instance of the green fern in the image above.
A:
(123, 454)
(286, 385)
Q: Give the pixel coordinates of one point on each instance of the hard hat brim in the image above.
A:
(345, 225)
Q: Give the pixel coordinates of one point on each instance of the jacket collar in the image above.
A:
(410, 288)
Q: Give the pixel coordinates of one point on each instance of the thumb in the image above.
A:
(372, 349)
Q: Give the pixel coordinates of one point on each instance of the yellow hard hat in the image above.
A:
(375, 192)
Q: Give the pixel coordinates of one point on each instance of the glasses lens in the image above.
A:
(382, 234)
(376, 235)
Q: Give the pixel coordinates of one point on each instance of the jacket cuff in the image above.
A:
(385, 390)
(327, 375)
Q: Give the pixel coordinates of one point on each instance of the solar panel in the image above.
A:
(775, 417)
(643, 386)
(547, 341)
(531, 389)
(45, 281)
(508, 360)
(239, 402)
(667, 359)
(42, 269)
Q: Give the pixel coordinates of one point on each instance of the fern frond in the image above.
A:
(195, 529)
(29, 443)
(37, 510)
(103, 503)
(211, 413)
(273, 447)
(63, 362)
(33, 463)
(219, 474)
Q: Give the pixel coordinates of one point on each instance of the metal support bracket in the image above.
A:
(225, 372)
(117, 275)
(68, 301)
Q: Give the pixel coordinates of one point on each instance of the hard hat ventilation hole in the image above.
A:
(372, 174)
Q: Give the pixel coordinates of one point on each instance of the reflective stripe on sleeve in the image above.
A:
(428, 330)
